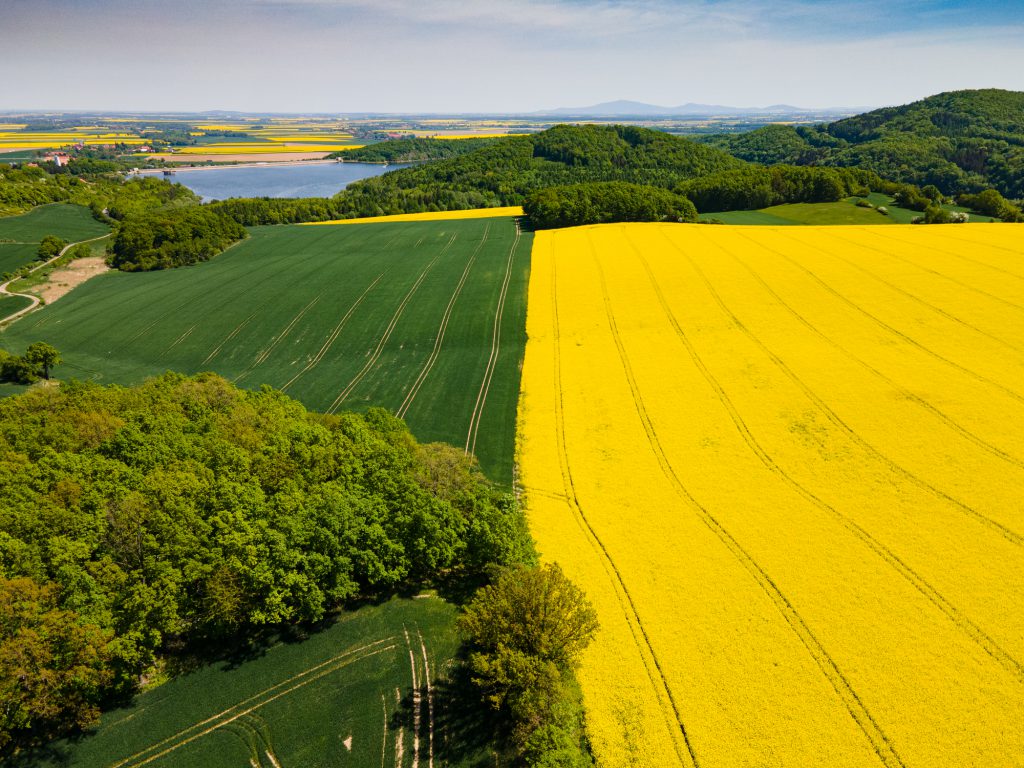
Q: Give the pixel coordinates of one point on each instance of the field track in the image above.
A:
(312, 704)
(786, 465)
(424, 318)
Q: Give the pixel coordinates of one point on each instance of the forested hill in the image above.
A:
(961, 141)
(506, 171)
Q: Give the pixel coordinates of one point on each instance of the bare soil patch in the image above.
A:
(62, 281)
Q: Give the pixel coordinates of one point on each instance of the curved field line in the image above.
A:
(839, 422)
(652, 666)
(384, 741)
(416, 704)
(439, 338)
(202, 295)
(882, 324)
(833, 417)
(430, 699)
(954, 254)
(375, 355)
(271, 265)
(857, 709)
(918, 299)
(332, 337)
(229, 337)
(262, 356)
(1017, 253)
(905, 260)
(918, 582)
(904, 392)
(492, 360)
(35, 302)
(178, 341)
(339, 659)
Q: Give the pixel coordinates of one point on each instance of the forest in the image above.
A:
(960, 141)
(173, 517)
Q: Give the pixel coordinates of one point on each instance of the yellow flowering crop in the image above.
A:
(474, 213)
(787, 465)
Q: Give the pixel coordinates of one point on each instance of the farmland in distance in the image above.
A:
(424, 318)
(786, 463)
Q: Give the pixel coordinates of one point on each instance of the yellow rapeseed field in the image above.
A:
(474, 213)
(787, 465)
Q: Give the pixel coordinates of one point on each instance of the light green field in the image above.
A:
(425, 318)
(350, 695)
(15, 255)
(69, 222)
(11, 304)
(842, 212)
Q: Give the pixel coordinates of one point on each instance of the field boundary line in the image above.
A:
(865, 721)
(918, 299)
(316, 668)
(333, 336)
(442, 329)
(656, 675)
(894, 331)
(918, 582)
(832, 416)
(375, 355)
(492, 360)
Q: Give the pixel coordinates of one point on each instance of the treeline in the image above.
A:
(37, 362)
(412, 150)
(756, 187)
(605, 202)
(168, 238)
(185, 513)
(961, 141)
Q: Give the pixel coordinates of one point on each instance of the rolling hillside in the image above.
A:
(961, 141)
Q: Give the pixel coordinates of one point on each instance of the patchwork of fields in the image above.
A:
(424, 318)
(363, 692)
(786, 465)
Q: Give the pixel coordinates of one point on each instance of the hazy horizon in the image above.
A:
(495, 57)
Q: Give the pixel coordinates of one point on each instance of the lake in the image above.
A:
(300, 180)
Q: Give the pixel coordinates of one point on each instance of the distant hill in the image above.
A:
(960, 141)
(639, 109)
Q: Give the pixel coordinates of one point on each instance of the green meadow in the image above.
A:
(423, 318)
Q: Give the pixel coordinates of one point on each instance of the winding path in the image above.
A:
(31, 297)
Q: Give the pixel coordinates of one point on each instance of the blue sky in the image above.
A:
(498, 55)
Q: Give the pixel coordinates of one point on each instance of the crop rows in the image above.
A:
(423, 318)
(786, 465)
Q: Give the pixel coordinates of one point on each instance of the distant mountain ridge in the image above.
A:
(624, 108)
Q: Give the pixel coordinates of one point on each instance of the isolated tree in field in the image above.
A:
(528, 630)
(49, 247)
(42, 357)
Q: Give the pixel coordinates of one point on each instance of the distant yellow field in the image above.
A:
(262, 148)
(476, 213)
(787, 466)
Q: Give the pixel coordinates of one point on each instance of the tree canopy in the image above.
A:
(185, 510)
